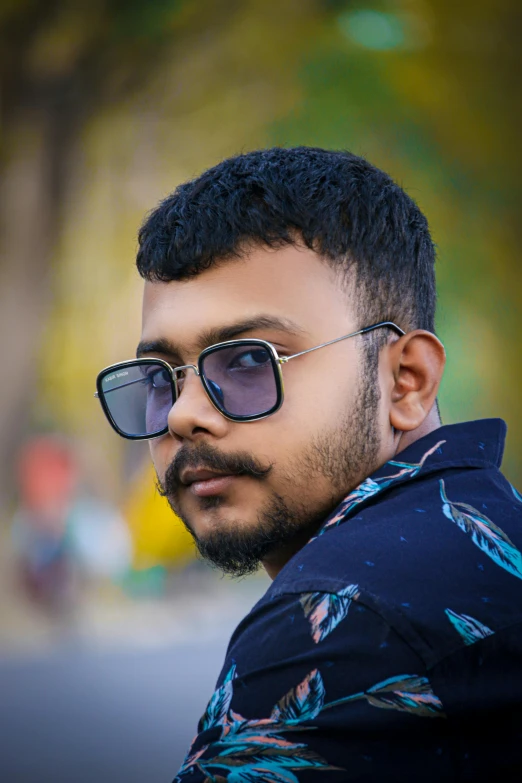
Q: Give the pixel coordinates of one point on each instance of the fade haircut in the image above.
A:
(335, 203)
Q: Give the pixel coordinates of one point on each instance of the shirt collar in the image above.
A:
(473, 444)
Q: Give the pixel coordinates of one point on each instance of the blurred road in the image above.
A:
(92, 717)
(94, 712)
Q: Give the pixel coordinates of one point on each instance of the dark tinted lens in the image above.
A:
(139, 397)
(242, 379)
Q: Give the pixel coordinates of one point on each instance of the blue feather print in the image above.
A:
(242, 739)
(370, 487)
(408, 469)
(324, 611)
(484, 533)
(302, 703)
(253, 749)
(516, 494)
(219, 704)
(266, 767)
(405, 692)
(262, 773)
(367, 489)
(467, 627)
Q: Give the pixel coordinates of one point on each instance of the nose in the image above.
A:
(193, 412)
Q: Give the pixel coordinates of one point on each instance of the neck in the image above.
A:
(276, 560)
(274, 563)
(431, 422)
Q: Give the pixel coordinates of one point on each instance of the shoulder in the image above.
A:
(438, 560)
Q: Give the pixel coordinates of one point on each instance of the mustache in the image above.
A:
(241, 463)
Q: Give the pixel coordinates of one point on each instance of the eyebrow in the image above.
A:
(221, 334)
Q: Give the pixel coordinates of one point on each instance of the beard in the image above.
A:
(344, 456)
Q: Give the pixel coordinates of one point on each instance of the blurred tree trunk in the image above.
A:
(34, 147)
(30, 196)
(59, 61)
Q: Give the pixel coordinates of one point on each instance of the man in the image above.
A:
(388, 645)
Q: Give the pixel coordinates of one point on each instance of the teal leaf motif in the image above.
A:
(253, 750)
(265, 767)
(516, 494)
(258, 751)
(215, 714)
(242, 733)
(301, 703)
(255, 747)
(405, 692)
(325, 611)
(261, 773)
(370, 487)
(241, 739)
(467, 627)
(484, 533)
(409, 694)
(367, 489)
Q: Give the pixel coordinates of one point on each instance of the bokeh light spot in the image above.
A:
(373, 29)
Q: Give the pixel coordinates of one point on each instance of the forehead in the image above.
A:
(292, 283)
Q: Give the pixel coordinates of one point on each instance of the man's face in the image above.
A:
(297, 464)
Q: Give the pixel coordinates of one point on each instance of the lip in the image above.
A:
(211, 486)
(199, 474)
(204, 483)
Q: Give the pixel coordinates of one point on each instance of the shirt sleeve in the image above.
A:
(317, 687)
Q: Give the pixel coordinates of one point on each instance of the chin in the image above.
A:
(215, 520)
(234, 548)
(237, 537)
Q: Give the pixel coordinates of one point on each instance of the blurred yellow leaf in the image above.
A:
(159, 536)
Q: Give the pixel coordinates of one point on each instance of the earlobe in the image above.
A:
(417, 364)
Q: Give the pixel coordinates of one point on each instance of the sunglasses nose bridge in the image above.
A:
(184, 367)
(179, 373)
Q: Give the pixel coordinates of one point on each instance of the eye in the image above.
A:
(157, 377)
(254, 357)
(160, 379)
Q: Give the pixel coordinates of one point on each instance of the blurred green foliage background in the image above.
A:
(108, 104)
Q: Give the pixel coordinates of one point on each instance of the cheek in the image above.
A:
(318, 396)
(310, 409)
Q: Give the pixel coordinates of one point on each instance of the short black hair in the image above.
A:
(336, 203)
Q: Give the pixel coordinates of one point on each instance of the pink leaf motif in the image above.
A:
(301, 703)
(325, 611)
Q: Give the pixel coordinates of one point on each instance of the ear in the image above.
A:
(417, 364)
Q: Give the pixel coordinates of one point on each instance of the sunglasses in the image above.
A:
(242, 378)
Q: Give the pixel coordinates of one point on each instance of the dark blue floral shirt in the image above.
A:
(390, 647)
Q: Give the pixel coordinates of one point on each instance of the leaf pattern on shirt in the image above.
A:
(324, 611)
(219, 703)
(516, 494)
(232, 748)
(370, 487)
(253, 750)
(302, 703)
(484, 533)
(469, 629)
(405, 692)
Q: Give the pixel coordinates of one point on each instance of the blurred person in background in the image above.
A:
(388, 646)
(47, 480)
(62, 536)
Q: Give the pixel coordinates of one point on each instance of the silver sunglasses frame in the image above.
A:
(277, 361)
